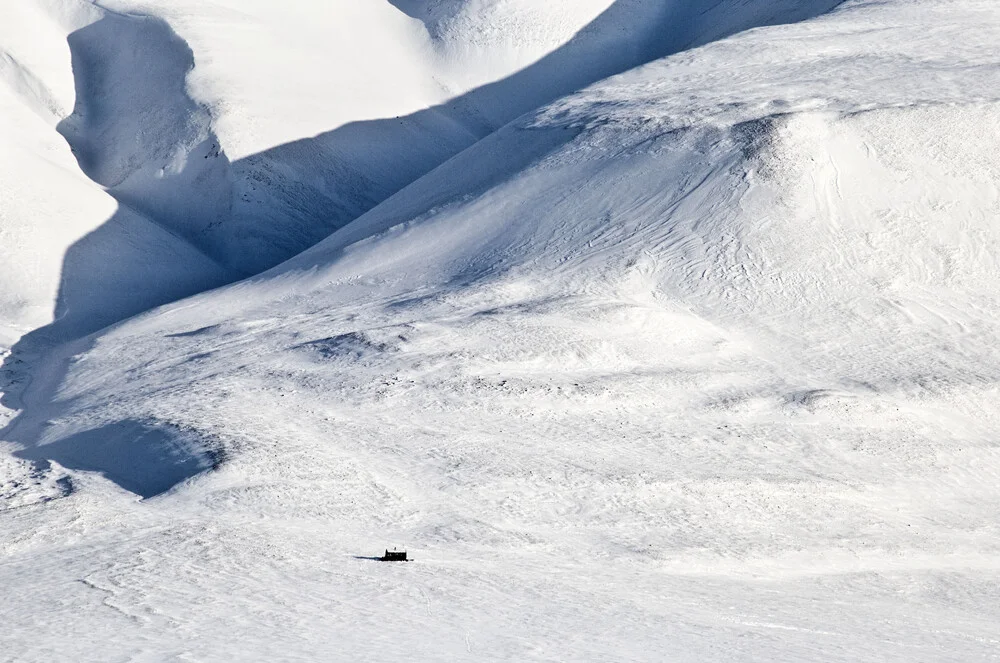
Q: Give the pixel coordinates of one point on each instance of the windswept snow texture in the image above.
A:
(696, 362)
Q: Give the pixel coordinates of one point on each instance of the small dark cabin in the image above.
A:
(394, 556)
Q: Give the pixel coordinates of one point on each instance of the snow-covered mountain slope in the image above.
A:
(294, 120)
(697, 363)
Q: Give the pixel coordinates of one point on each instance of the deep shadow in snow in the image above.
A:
(208, 221)
(135, 131)
(144, 458)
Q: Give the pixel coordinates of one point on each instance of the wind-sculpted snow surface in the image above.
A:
(696, 363)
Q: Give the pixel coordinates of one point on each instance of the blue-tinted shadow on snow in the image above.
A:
(143, 458)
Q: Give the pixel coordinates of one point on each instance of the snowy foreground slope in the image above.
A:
(696, 363)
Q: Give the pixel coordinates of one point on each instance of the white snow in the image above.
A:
(695, 362)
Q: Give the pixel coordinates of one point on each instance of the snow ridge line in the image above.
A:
(25, 84)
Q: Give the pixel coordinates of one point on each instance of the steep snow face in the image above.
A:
(31, 47)
(33, 60)
(64, 243)
(695, 363)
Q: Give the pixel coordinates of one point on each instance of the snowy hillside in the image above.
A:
(652, 330)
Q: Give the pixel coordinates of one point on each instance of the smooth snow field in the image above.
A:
(652, 330)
